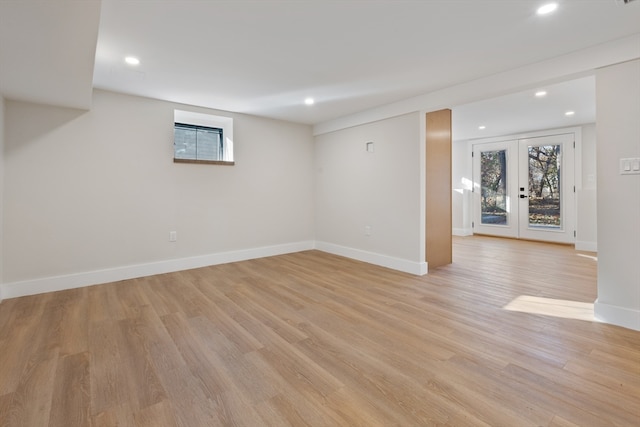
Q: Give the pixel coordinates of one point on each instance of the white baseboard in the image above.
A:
(78, 280)
(620, 316)
(462, 231)
(586, 246)
(412, 267)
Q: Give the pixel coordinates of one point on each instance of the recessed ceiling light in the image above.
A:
(309, 101)
(569, 113)
(482, 127)
(541, 93)
(547, 8)
(132, 60)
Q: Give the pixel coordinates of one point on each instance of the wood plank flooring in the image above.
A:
(312, 339)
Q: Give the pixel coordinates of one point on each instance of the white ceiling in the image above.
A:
(264, 57)
(523, 111)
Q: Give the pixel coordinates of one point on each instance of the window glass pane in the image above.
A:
(209, 145)
(493, 172)
(197, 142)
(184, 143)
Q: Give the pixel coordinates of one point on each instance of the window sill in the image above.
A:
(205, 162)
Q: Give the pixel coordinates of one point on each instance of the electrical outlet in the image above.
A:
(173, 236)
(367, 230)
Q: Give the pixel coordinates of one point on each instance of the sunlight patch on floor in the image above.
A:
(594, 258)
(552, 307)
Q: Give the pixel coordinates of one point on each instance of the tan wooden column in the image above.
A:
(438, 198)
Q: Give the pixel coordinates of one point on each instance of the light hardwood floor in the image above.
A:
(315, 339)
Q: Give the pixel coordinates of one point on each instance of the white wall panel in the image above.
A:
(95, 190)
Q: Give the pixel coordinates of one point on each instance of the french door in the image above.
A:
(524, 188)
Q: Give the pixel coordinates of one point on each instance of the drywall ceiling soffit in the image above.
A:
(265, 57)
(47, 51)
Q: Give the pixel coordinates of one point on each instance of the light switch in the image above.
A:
(630, 166)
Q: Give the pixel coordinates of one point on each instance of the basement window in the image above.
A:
(202, 138)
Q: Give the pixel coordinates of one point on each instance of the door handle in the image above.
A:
(523, 196)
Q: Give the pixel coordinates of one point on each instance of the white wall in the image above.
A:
(588, 157)
(586, 194)
(93, 191)
(618, 134)
(461, 178)
(356, 189)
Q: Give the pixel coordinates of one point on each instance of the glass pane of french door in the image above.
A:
(493, 177)
(544, 170)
